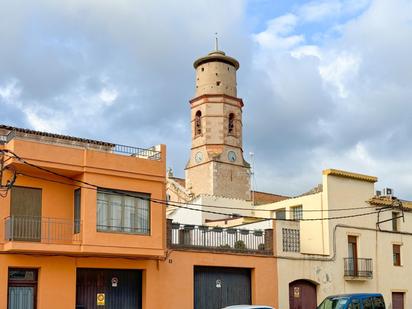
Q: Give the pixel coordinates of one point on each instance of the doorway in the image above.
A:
(302, 295)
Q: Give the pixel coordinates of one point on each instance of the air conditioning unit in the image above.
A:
(388, 192)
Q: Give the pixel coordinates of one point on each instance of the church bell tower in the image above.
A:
(216, 165)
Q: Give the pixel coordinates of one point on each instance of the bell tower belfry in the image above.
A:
(216, 165)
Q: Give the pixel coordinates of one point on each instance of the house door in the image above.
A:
(397, 300)
(218, 287)
(108, 289)
(302, 295)
(22, 288)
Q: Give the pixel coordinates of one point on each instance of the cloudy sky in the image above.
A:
(326, 84)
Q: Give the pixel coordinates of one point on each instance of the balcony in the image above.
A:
(42, 230)
(358, 269)
(150, 153)
(218, 239)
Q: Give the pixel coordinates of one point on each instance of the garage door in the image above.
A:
(108, 289)
(217, 287)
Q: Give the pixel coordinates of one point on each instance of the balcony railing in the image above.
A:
(219, 239)
(358, 268)
(43, 230)
(150, 153)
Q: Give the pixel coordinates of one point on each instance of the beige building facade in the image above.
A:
(359, 242)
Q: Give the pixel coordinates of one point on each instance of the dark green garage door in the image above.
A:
(217, 287)
(115, 289)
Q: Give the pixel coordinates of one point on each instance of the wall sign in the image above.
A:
(115, 281)
(296, 292)
(100, 299)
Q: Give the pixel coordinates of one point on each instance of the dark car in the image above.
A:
(354, 301)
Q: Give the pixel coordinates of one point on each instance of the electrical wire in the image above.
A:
(169, 203)
(175, 203)
(4, 189)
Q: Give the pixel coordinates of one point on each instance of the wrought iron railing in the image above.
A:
(44, 230)
(219, 239)
(358, 267)
(149, 153)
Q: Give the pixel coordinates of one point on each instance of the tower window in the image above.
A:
(198, 123)
(231, 125)
(203, 69)
(217, 83)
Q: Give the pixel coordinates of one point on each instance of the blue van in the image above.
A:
(354, 301)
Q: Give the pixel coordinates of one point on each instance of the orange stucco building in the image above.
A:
(83, 225)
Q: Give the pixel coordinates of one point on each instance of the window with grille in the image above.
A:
(291, 240)
(123, 212)
(297, 213)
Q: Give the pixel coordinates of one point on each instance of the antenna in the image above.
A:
(216, 42)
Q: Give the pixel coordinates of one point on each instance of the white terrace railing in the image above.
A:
(208, 238)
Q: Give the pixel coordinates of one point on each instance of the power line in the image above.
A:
(175, 203)
(168, 203)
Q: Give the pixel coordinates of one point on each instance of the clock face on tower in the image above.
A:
(198, 157)
(231, 156)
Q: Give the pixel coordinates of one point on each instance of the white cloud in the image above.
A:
(339, 70)
(315, 97)
(278, 33)
(342, 102)
(10, 92)
(108, 96)
(319, 10)
(42, 122)
(306, 51)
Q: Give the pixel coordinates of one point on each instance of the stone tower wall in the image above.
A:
(216, 78)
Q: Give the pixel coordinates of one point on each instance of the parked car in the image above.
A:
(354, 301)
(248, 307)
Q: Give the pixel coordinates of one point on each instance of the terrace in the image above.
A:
(218, 239)
(8, 133)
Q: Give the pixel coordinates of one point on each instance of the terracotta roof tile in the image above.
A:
(58, 136)
(267, 198)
